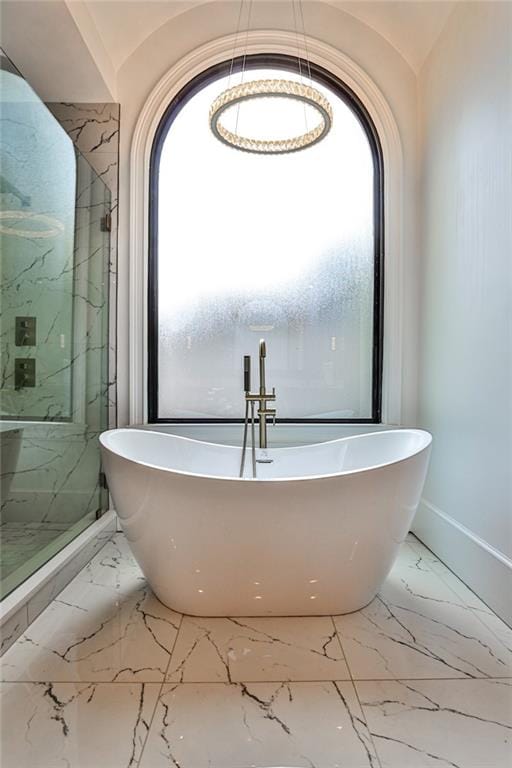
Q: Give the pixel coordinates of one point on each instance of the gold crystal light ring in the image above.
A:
(271, 88)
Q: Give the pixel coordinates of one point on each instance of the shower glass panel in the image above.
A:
(53, 333)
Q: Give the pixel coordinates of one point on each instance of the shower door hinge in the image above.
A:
(103, 480)
(106, 223)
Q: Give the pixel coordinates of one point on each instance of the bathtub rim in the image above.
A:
(423, 432)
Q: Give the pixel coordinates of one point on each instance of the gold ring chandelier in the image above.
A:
(263, 89)
(257, 89)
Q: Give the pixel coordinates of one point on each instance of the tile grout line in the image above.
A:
(354, 688)
(150, 725)
(264, 682)
(363, 714)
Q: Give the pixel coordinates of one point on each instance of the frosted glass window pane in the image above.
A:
(253, 246)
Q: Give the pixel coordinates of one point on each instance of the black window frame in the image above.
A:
(291, 64)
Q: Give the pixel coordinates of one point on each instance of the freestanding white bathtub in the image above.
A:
(315, 533)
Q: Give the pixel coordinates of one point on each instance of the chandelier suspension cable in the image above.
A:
(249, 15)
(299, 62)
(235, 43)
(308, 62)
(297, 40)
(244, 59)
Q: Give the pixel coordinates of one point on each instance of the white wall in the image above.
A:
(171, 42)
(465, 353)
(43, 41)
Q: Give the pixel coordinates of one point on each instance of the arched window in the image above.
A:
(288, 248)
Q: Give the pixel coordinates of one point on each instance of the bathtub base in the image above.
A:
(230, 577)
(334, 610)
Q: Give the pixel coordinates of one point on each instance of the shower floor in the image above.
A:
(19, 542)
(108, 676)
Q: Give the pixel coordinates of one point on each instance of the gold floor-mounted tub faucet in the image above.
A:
(262, 397)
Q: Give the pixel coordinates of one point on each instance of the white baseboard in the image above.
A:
(486, 570)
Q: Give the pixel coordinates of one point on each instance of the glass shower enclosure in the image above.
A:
(54, 242)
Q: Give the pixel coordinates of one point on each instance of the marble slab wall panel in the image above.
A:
(94, 128)
(56, 476)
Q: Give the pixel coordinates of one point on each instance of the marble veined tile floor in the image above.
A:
(108, 677)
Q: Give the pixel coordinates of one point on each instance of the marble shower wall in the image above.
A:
(94, 129)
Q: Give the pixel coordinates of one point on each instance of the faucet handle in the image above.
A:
(272, 413)
(247, 373)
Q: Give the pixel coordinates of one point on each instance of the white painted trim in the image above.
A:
(266, 41)
(467, 532)
(486, 570)
(13, 602)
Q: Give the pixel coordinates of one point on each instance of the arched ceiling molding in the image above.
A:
(411, 28)
(265, 41)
